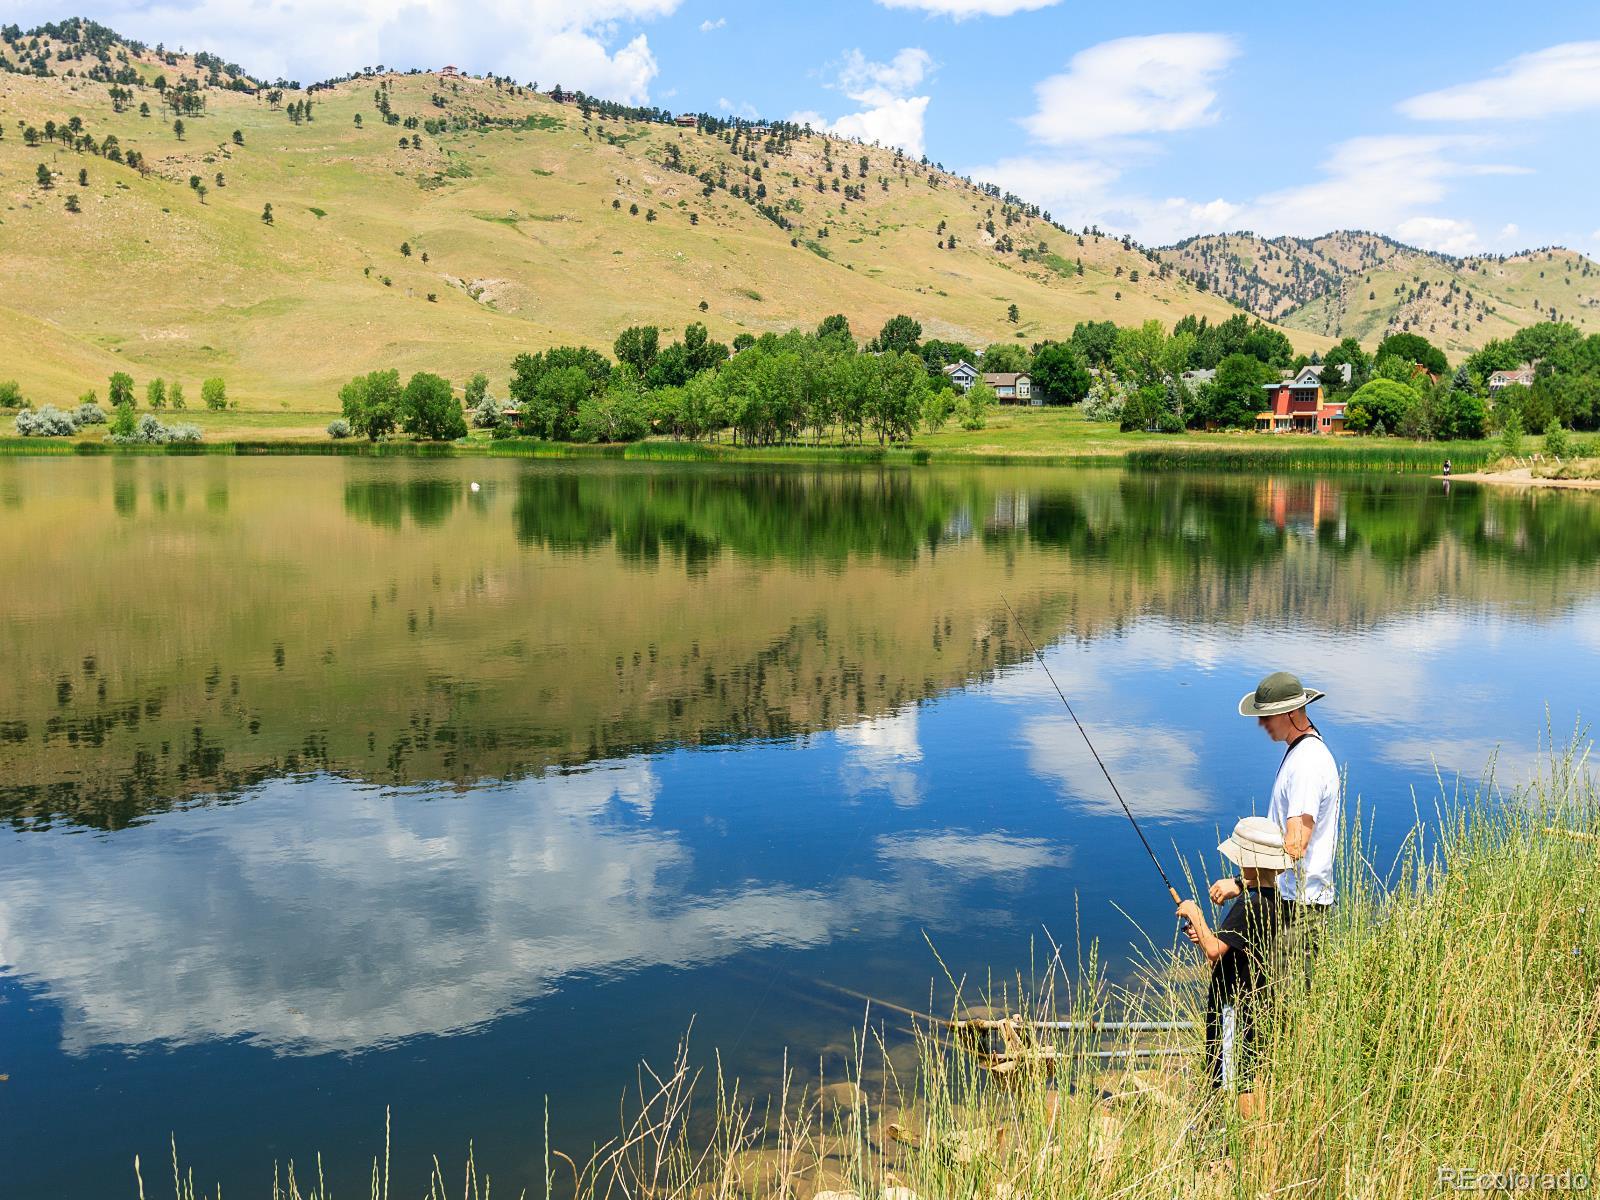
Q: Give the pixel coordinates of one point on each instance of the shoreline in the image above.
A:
(1179, 454)
(1523, 477)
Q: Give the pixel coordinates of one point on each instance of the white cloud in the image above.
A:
(881, 755)
(743, 109)
(330, 918)
(1550, 82)
(1509, 230)
(897, 123)
(1394, 183)
(1154, 767)
(1444, 234)
(708, 25)
(960, 10)
(973, 853)
(878, 82)
(570, 42)
(1130, 86)
(891, 116)
(1374, 183)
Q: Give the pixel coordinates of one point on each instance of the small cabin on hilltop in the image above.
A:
(449, 73)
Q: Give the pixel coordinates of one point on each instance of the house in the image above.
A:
(962, 375)
(449, 73)
(1014, 386)
(687, 121)
(1198, 376)
(1297, 405)
(1522, 376)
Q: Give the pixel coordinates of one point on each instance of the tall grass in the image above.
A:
(1453, 1023)
(1366, 455)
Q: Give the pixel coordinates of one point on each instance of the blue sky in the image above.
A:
(1460, 127)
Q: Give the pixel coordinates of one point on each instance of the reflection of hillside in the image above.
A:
(188, 626)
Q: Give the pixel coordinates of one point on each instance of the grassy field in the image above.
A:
(523, 246)
(1452, 1025)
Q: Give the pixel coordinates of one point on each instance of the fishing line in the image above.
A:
(1172, 891)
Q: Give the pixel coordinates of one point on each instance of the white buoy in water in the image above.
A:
(474, 485)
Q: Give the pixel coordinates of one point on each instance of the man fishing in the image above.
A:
(1305, 805)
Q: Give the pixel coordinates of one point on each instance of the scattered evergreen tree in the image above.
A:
(266, 213)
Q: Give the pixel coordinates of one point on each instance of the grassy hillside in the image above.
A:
(1365, 285)
(513, 206)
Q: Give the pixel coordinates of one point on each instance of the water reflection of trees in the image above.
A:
(566, 614)
(382, 502)
(783, 515)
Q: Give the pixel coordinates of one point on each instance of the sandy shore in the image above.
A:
(1524, 477)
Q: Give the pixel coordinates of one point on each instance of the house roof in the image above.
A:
(962, 365)
(1005, 378)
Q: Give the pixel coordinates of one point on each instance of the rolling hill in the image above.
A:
(529, 222)
(1365, 285)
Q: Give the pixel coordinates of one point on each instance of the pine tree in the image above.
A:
(44, 176)
(266, 214)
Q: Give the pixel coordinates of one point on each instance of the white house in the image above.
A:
(1523, 376)
(962, 375)
(1013, 386)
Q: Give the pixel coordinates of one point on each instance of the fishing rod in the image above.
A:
(1017, 621)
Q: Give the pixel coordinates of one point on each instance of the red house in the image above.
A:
(1297, 405)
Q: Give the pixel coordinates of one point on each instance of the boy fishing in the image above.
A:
(1239, 952)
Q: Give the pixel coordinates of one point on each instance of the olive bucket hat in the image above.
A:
(1279, 692)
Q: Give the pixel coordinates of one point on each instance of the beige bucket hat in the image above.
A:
(1256, 842)
(1279, 692)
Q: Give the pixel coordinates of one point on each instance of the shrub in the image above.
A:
(1557, 441)
(89, 413)
(339, 428)
(148, 430)
(486, 413)
(11, 394)
(1511, 435)
(1104, 401)
(48, 421)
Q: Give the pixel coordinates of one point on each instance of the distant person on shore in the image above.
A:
(1305, 806)
(1241, 953)
(1447, 469)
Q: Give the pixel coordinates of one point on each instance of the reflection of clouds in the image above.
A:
(973, 853)
(880, 753)
(1154, 767)
(1382, 675)
(1468, 758)
(325, 917)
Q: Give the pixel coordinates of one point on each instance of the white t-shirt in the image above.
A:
(1308, 785)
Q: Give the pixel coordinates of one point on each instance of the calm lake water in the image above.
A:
(337, 785)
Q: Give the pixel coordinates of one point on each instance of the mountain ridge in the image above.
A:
(1367, 285)
(424, 221)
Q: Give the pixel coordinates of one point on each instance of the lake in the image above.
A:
(341, 785)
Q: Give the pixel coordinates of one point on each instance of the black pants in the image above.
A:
(1301, 928)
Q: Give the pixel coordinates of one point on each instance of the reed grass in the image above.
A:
(1368, 455)
(1452, 1023)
